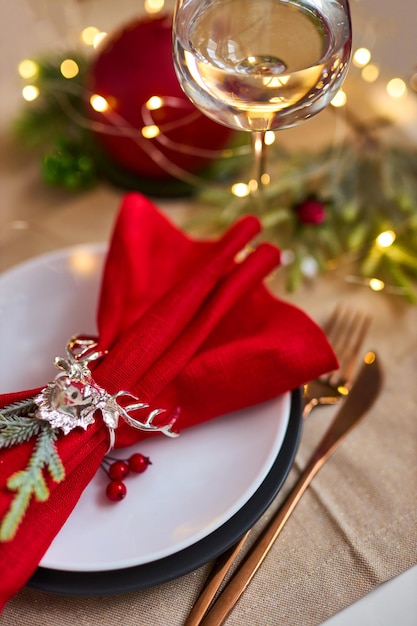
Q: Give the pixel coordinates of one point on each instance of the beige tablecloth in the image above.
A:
(355, 527)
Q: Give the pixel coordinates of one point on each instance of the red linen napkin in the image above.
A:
(184, 325)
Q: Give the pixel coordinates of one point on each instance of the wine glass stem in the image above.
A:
(259, 152)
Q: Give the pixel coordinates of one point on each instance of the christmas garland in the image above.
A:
(356, 203)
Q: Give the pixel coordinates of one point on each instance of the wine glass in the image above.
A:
(261, 65)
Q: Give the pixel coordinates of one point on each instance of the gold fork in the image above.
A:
(345, 329)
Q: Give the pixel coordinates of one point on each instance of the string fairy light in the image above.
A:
(241, 190)
(386, 239)
(376, 284)
(28, 69)
(150, 132)
(69, 68)
(396, 88)
(361, 57)
(154, 103)
(99, 103)
(152, 136)
(30, 92)
(89, 34)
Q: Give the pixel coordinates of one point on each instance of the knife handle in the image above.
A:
(217, 575)
(237, 585)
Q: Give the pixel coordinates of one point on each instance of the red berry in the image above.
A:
(311, 212)
(138, 462)
(116, 490)
(118, 470)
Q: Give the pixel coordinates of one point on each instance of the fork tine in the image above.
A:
(346, 331)
(361, 324)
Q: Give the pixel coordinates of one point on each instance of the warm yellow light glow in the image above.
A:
(376, 284)
(370, 357)
(98, 39)
(344, 391)
(83, 262)
(396, 88)
(361, 57)
(99, 103)
(258, 144)
(69, 68)
(265, 179)
(370, 73)
(28, 69)
(241, 190)
(386, 239)
(153, 6)
(88, 35)
(340, 99)
(30, 92)
(252, 185)
(150, 132)
(269, 137)
(155, 102)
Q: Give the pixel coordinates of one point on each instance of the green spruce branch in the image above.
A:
(15, 428)
(30, 482)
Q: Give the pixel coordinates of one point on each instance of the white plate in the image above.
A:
(195, 483)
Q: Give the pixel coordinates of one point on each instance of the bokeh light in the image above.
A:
(99, 103)
(88, 35)
(150, 132)
(240, 190)
(361, 57)
(28, 69)
(340, 99)
(396, 88)
(370, 73)
(69, 68)
(30, 92)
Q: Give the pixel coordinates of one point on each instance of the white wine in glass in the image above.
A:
(260, 65)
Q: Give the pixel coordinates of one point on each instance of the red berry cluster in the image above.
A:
(118, 469)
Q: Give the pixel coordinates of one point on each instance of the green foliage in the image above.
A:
(365, 187)
(16, 429)
(51, 115)
(18, 425)
(52, 125)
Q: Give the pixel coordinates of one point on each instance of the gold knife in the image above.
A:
(361, 397)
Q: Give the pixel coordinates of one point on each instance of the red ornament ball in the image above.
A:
(134, 65)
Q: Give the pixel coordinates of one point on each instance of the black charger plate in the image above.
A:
(112, 582)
